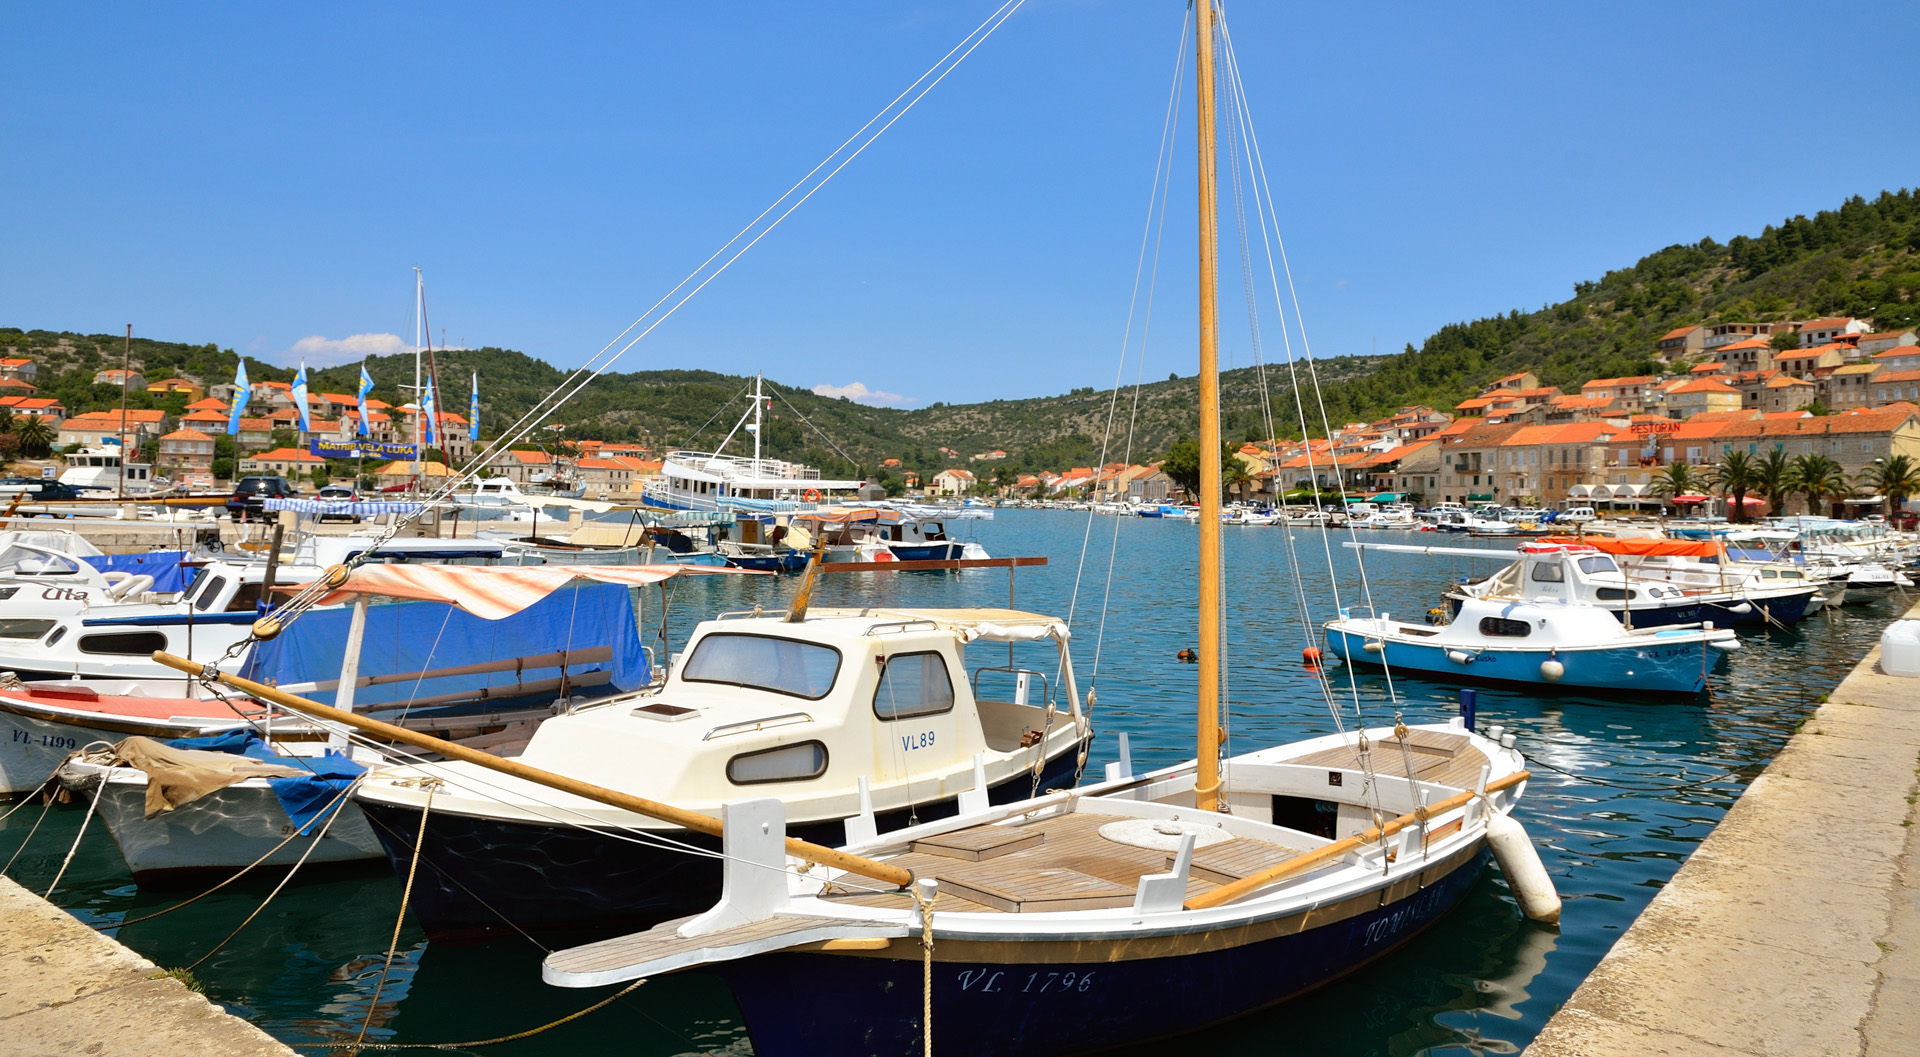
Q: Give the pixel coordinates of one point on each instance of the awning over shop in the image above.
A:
(1480, 497)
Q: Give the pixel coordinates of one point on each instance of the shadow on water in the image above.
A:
(1624, 790)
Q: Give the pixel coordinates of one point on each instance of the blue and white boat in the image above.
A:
(1566, 644)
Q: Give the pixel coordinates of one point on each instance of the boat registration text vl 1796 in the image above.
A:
(992, 981)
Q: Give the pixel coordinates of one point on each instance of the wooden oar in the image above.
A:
(1320, 856)
(685, 819)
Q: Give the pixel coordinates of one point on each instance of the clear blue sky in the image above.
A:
(256, 175)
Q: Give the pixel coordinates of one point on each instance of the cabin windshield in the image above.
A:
(764, 662)
(1598, 563)
(22, 561)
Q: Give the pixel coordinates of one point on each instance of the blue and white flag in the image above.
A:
(473, 425)
(300, 398)
(366, 386)
(242, 389)
(429, 415)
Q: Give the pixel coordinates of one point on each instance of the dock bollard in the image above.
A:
(1469, 702)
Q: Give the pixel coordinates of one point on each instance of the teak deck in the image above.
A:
(1444, 759)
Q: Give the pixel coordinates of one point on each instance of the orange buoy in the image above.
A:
(1311, 655)
(1187, 656)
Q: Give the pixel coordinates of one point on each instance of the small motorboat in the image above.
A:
(1537, 643)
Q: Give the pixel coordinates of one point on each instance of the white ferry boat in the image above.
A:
(100, 468)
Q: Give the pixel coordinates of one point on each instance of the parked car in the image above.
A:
(251, 493)
(339, 493)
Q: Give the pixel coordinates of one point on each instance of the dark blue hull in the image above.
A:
(816, 1005)
(927, 552)
(477, 874)
(792, 561)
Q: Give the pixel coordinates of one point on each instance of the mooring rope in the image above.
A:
(515, 1037)
(400, 919)
(68, 861)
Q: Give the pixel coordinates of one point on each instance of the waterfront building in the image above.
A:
(97, 427)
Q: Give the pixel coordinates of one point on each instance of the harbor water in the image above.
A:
(1622, 793)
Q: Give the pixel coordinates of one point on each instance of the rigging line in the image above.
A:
(568, 387)
(1258, 166)
(1160, 162)
(92, 806)
(8, 868)
(319, 835)
(797, 184)
(1005, 11)
(1242, 113)
(816, 429)
(695, 435)
(1257, 169)
(393, 947)
(1162, 189)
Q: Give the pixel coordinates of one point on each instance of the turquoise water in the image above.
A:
(1622, 793)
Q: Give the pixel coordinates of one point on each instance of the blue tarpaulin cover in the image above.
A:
(408, 636)
(304, 797)
(163, 566)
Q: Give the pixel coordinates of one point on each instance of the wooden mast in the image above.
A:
(1207, 781)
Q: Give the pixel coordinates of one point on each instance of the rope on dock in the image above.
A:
(406, 894)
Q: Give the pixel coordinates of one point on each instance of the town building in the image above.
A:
(1894, 386)
(19, 369)
(291, 463)
(1845, 388)
(1874, 344)
(37, 406)
(185, 451)
(170, 386)
(1682, 343)
(1753, 354)
(117, 378)
(1816, 332)
(955, 481)
(1807, 362)
(97, 427)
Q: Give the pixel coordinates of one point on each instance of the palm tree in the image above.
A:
(1896, 478)
(1234, 476)
(1677, 480)
(1736, 473)
(36, 436)
(1773, 476)
(1812, 477)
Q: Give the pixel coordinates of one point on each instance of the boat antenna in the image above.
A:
(1207, 744)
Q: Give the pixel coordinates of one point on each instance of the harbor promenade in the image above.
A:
(1794, 929)
(66, 989)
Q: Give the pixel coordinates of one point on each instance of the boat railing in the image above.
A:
(1022, 694)
(895, 627)
(748, 725)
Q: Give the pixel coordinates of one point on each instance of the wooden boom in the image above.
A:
(1322, 855)
(692, 820)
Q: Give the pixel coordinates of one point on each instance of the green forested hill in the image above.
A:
(1862, 259)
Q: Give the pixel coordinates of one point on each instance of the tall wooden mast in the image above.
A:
(1207, 792)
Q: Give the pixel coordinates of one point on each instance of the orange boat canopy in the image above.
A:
(1686, 548)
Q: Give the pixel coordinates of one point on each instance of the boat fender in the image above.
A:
(1743, 608)
(1551, 669)
(1374, 646)
(1460, 656)
(1525, 874)
(1728, 645)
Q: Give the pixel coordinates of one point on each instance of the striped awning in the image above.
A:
(495, 591)
(363, 508)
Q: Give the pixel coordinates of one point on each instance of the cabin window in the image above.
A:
(207, 594)
(913, 684)
(1318, 817)
(1503, 627)
(1599, 563)
(788, 763)
(124, 644)
(1615, 594)
(245, 598)
(1549, 573)
(764, 662)
(24, 629)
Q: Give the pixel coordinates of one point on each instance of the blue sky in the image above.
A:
(267, 176)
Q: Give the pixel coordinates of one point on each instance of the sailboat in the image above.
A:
(1134, 909)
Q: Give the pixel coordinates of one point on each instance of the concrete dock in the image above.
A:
(1794, 929)
(66, 989)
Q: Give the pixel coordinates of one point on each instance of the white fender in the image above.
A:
(1528, 879)
(1552, 670)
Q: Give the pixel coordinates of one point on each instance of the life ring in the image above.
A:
(811, 495)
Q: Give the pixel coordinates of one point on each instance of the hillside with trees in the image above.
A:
(1862, 259)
